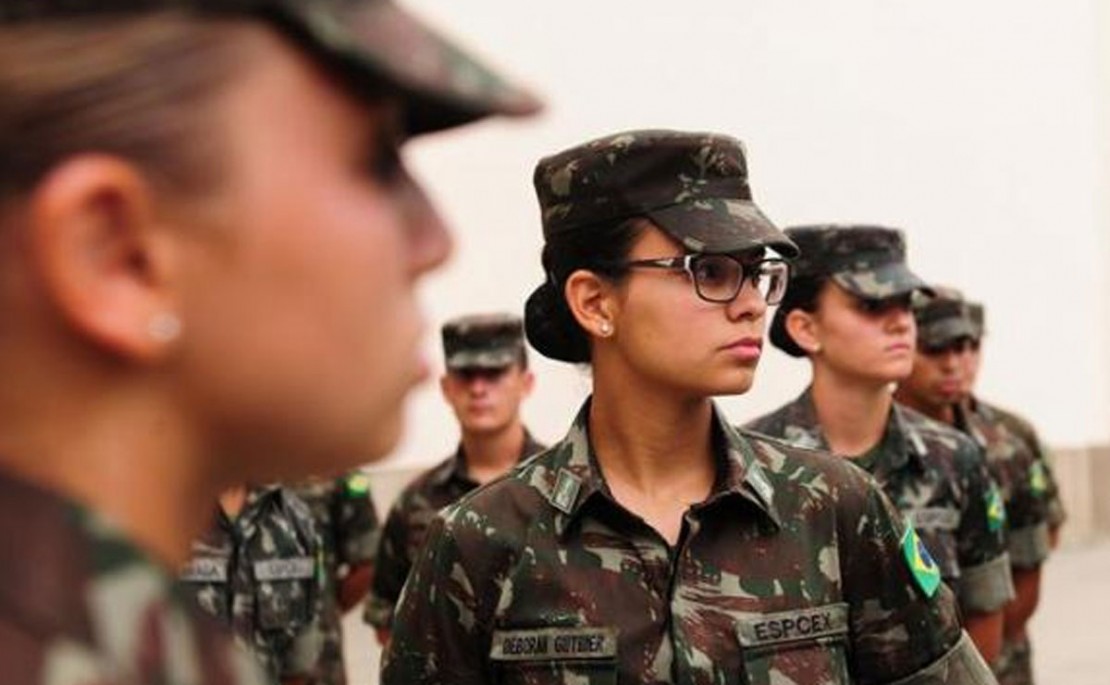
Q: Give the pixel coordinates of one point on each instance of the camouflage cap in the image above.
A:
(483, 341)
(943, 318)
(372, 43)
(694, 186)
(867, 261)
(978, 315)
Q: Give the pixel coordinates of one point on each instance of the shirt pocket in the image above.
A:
(284, 589)
(806, 645)
(206, 579)
(555, 656)
(937, 527)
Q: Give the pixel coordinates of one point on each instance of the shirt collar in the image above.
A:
(572, 477)
(454, 468)
(901, 441)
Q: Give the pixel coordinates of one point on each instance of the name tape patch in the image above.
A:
(554, 644)
(211, 570)
(812, 623)
(935, 518)
(294, 568)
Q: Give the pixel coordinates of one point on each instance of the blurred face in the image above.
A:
(940, 375)
(665, 333)
(486, 401)
(869, 340)
(301, 325)
(972, 361)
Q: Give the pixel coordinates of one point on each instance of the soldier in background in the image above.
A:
(656, 543)
(847, 311)
(259, 570)
(348, 525)
(486, 381)
(945, 370)
(182, 307)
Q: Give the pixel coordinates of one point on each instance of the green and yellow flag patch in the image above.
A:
(925, 571)
(1038, 480)
(358, 485)
(996, 509)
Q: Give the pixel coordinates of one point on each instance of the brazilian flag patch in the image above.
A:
(358, 485)
(925, 571)
(996, 510)
(1038, 480)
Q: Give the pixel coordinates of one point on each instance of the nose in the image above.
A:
(900, 320)
(749, 303)
(430, 241)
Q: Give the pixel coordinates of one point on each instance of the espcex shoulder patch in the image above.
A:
(924, 569)
(996, 510)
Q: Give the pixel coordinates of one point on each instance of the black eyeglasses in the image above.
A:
(719, 277)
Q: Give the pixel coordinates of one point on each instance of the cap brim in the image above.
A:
(945, 331)
(490, 359)
(385, 45)
(722, 226)
(887, 280)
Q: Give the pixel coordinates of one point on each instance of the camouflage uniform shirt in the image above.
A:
(937, 479)
(261, 573)
(793, 570)
(348, 526)
(1021, 477)
(81, 605)
(407, 524)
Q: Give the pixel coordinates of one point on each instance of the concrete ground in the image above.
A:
(1071, 630)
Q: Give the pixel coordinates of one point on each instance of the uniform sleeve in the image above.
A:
(904, 626)
(985, 583)
(355, 521)
(391, 568)
(439, 632)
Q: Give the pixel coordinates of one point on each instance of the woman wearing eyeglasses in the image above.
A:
(848, 311)
(656, 543)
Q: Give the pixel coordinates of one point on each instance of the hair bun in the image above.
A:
(551, 329)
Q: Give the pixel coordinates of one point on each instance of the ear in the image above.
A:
(445, 386)
(103, 260)
(528, 382)
(803, 328)
(589, 298)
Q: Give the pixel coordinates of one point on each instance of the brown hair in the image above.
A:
(129, 87)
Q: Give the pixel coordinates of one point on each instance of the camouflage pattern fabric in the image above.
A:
(796, 569)
(867, 261)
(1023, 483)
(375, 43)
(1015, 663)
(944, 319)
(939, 480)
(1042, 478)
(81, 605)
(694, 186)
(348, 525)
(483, 341)
(407, 525)
(262, 574)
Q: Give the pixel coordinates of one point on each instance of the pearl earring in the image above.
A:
(606, 329)
(164, 327)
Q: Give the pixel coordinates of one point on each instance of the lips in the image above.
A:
(745, 348)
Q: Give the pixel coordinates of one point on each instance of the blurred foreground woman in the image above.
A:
(656, 543)
(208, 253)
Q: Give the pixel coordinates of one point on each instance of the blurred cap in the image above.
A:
(372, 43)
(483, 341)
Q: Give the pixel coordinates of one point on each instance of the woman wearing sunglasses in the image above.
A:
(848, 310)
(656, 543)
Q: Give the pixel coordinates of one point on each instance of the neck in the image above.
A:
(852, 415)
(119, 453)
(650, 441)
(945, 413)
(489, 455)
